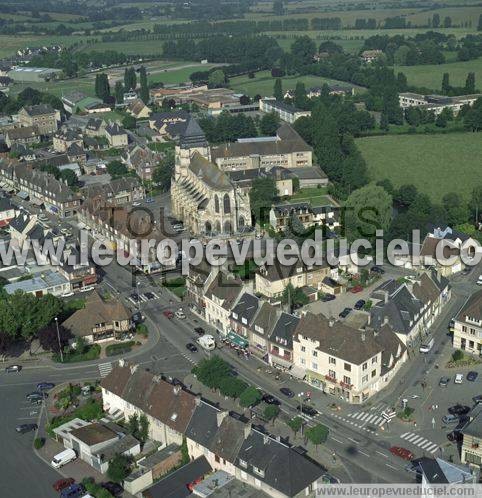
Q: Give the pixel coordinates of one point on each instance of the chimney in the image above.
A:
(122, 362)
(197, 400)
(385, 320)
(133, 369)
(331, 321)
(363, 336)
(247, 430)
(385, 294)
(176, 390)
(220, 416)
(369, 321)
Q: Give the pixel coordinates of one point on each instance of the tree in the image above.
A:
(250, 397)
(405, 195)
(119, 92)
(262, 194)
(476, 202)
(130, 79)
(294, 296)
(317, 434)
(301, 100)
(445, 83)
(133, 425)
(217, 78)
(210, 371)
(367, 209)
(129, 122)
(184, 452)
(116, 169)
(102, 88)
(163, 173)
(278, 9)
(144, 93)
(269, 124)
(295, 424)
(470, 83)
(67, 175)
(384, 121)
(270, 412)
(479, 24)
(232, 386)
(435, 21)
(441, 121)
(447, 22)
(278, 89)
(143, 428)
(303, 50)
(119, 468)
(49, 341)
(456, 209)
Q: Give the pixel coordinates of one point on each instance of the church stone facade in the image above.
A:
(202, 195)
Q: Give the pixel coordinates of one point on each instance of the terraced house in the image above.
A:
(43, 116)
(468, 326)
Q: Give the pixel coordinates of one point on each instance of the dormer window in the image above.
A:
(243, 463)
(235, 316)
(260, 472)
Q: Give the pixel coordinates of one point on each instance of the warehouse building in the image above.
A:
(32, 74)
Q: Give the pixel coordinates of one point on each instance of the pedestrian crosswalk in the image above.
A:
(105, 369)
(367, 418)
(420, 441)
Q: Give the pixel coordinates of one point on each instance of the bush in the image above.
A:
(250, 397)
(38, 442)
(123, 347)
(142, 329)
(457, 355)
(232, 387)
(90, 352)
(119, 468)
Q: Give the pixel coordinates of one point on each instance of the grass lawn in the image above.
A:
(317, 196)
(178, 75)
(430, 76)
(176, 285)
(263, 83)
(435, 164)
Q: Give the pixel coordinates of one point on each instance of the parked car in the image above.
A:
(455, 437)
(477, 399)
(168, 314)
(45, 386)
(191, 347)
(328, 297)
(356, 289)
(114, 488)
(87, 289)
(377, 269)
(36, 395)
(287, 392)
(359, 304)
(180, 314)
(459, 378)
(73, 491)
(68, 294)
(199, 331)
(472, 376)
(459, 410)
(307, 410)
(63, 483)
(450, 419)
(444, 381)
(13, 368)
(479, 280)
(402, 452)
(270, 399)
(23, 428)
(329, 479)
(345, 313)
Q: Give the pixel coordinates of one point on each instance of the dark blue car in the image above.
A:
(73, 491)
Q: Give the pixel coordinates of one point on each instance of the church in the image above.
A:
(202, 195)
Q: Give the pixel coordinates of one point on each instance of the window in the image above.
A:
(374, 359)
(364, 379)
(315, 353)
(331, 360)
(260, 472)
(243, 463)
(347, 367)
(365, 366)
(347, 380)
(332, 374)
(303, 349)
(314, 366)
(302, 361)
(374, 373)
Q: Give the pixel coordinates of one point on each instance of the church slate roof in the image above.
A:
(209, 173)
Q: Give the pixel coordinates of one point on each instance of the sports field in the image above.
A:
(430, 76)
(435, 164)
(263, 83)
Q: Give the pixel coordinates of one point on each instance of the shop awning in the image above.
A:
(36, 201)
(297, 372)
(237, 340)
(23, 195)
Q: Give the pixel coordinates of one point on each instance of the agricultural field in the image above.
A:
(263, 83)
(430, 76)
(10, 44)
(435, 164)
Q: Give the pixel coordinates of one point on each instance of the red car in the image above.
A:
(356, 289)
(168, 314)
(63, 483)
(402, 453)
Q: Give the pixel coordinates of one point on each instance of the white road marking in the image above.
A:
(380, 453)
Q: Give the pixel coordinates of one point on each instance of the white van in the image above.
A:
(425, 348)
(207, 342)
(63, 458)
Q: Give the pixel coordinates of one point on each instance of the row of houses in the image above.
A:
(227, 440)
(436, 103)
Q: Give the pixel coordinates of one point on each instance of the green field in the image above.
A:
(263, 83)
(180, 75)
(430, 76)
(316, 196)
(435, 164)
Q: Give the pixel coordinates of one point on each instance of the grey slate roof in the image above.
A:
(203, 426)
(246, 308)
(284, 468)
(283, 330)
(192, 136)
(209, 173)
(265, 319)
(38, 110)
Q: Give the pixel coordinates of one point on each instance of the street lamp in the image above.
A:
(58, 339)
